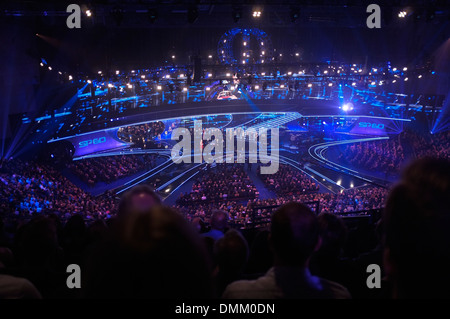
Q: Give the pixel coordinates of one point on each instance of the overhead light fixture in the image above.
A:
(431, 14)
(347, 107)
(295, 14)
(192, 14)
(117, 14)
(257, 13)
(402, 14)
(152, 15)
(237, 14)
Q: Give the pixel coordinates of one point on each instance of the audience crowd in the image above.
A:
(111, 168)
(244, 213)
(289, 181)
(152, 252)
(219, 183)
(382, 156)
(436, 145)
(28, 188)
(141, 135)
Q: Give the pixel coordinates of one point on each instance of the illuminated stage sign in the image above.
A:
(96, 142)
(375, 126)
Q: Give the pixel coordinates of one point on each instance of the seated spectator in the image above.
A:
(17, 288)
(294, 237)
(326, 261)
(231, 254)
(219, 222)
(417, 236)
(159, 256)
(139, 198)
(289, 181)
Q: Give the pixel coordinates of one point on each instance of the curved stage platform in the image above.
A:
(317, 125)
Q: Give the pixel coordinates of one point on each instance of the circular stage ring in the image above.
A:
(225, 45)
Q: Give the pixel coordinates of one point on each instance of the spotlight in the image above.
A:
(208, 88)
(173, 57)
(209, 56)
(330, 84)
(347, 107)
(185, 89)
(159, 87)
(70, 78)
(256, 13)
(402, 14)
(310, 85)
(130, 86)
(256, 87)
(88, 13)
(152, 15)
(192, 15)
